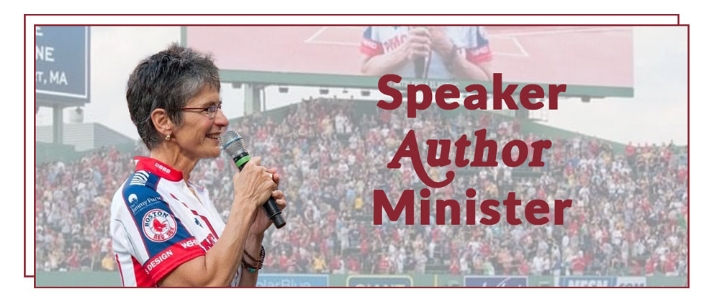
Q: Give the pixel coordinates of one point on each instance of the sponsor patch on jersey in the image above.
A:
(162, 168)
(139, 178)
(148, 202)
(159, 225)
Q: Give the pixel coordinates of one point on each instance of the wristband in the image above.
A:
(250, 268)
(262, 255)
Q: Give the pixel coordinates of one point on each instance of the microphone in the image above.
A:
(232, 144)
(420, 67)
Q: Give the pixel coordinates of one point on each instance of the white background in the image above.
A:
(12, 273)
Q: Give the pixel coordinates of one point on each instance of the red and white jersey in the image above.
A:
(473, 40)
(157, 223)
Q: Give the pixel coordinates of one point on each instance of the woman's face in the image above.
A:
(198, 136)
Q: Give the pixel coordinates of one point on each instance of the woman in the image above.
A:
(165, 229)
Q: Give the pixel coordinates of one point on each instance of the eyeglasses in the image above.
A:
(209, 111)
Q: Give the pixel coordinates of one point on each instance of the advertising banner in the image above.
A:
(603, 281)
(296, 280)
(380, 281)
(495, 281)
(631, 282)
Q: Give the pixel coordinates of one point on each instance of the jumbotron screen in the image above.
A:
(597, 56)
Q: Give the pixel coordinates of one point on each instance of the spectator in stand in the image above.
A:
(629, 214)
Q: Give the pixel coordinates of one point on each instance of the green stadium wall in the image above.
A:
(50, 152)
(111, 279)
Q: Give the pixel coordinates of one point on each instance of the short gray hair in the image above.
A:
(168, 80)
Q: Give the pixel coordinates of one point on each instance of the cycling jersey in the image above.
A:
(158, 223)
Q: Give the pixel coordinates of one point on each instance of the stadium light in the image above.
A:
(365, 93)
(282, 89)
(76, 115)
(324, 91)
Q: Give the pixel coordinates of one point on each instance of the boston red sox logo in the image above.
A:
(159, 225)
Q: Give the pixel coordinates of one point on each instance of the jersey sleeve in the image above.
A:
(478, 49)
(161, 241)
(371, 44)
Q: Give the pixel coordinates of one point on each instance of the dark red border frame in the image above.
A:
(688, 285)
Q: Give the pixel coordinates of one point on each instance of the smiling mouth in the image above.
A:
(213, 136)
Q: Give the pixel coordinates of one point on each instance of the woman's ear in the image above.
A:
(162, 122)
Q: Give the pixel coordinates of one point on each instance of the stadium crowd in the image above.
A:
(629, 212)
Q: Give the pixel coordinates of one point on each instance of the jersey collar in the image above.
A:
(158, 168)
